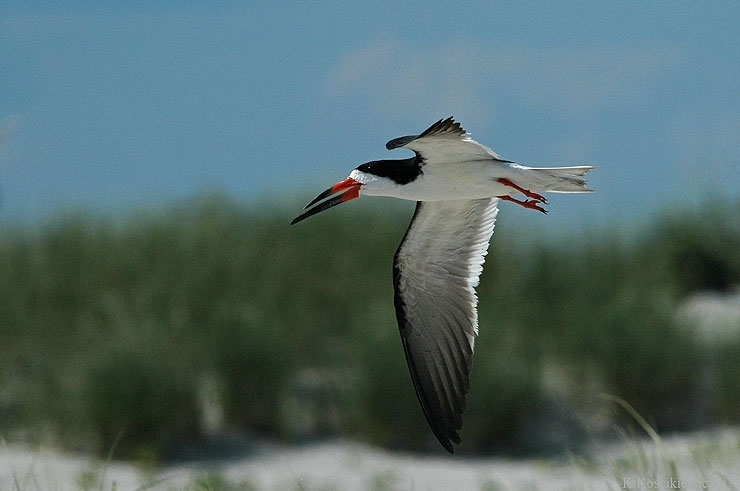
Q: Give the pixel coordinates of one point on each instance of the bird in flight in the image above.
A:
(457, 184)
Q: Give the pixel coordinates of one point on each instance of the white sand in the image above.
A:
(709, 458)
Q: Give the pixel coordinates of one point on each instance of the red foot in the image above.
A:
(530, 203)
(525, 192)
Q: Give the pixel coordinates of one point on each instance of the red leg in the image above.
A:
(525, 192)
(530, 203)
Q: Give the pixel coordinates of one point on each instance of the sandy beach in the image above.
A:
(707, 460)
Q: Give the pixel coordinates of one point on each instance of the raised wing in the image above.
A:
(445, 141)
(435, 271)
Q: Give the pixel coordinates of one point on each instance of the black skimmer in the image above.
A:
(457, 184)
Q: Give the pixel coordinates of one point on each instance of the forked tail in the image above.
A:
(561, 179)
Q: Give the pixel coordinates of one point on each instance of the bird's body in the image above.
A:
(472, 179)
(457, 184)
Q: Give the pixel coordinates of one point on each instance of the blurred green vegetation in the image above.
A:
(160, 330)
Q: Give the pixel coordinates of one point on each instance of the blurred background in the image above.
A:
(153, 297)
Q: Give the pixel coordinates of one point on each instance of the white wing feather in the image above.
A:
(436, 269)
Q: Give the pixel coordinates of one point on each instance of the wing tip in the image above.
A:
(446, 126)
(453, 437)
(447, 444)
(444, 428)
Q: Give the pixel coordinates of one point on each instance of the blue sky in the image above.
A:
(118, 108)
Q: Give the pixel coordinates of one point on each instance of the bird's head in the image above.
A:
(376, 178)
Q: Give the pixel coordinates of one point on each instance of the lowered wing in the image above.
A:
(435, 272)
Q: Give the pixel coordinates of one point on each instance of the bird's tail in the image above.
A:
(561, 179)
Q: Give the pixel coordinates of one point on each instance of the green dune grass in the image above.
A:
(113, 330)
